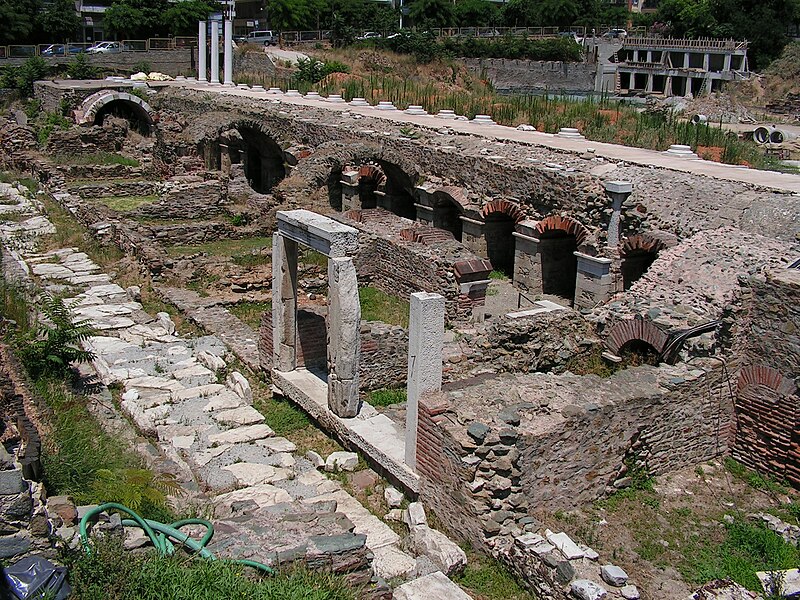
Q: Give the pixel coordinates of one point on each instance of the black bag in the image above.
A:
(30, 577)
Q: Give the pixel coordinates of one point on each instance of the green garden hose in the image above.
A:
(160, 534)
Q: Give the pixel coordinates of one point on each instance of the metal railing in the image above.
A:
(63, 50)
(688, 44)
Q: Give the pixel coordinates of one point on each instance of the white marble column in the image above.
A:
(202, 51)
(344, 337)
(425, 341)
(284, 303)
(214, 52)
(228, 53)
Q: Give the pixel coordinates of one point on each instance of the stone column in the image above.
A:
(594, 283)
(618, 191)
(425, 335)
(202, 51)
(214, 52)
(350, 197)
(706, 61)
(284, 303)
(472, 235)
(686, 60)
(527, 260)
(228, 53)
(649, 84)
(344, 337)
(726, 63)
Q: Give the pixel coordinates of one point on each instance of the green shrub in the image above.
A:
(52, 121)
(386, 397)
(142, 67)
(33, 69)
(79, 68)
(312, 70)
(49, 349)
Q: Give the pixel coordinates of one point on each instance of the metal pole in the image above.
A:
(202, 51)
(228, 52)
(215, 52)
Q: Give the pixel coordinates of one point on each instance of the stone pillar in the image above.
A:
(350, 198)
(472, 235)
(344, 337)
(214, 52)
(527, 260)
(668, 86)
(726, 64)
(284, 303)
(618, 191)
(594, 284)
(649, 84)
(228, 53)
(202, 51)
(686, 60)
(706, 61)
(425, 335)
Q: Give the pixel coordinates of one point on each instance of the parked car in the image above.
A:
(104, 48)
(615, 33)
(59, 50)
(370, 35)
(266, 37)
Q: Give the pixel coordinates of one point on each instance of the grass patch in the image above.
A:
(14, 217)
(495, 274)
(752, 478)
(232, 248)
(98, 158)
(127, 203)
(312, 258)
(250, 312)
(69, 233)
(488, 579)
(379, 306)
(386, 397)
(113, 573)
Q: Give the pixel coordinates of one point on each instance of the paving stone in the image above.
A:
(200, 391)
(222, 400)
(630, 592)
(241, 435)
(435, 586)
(585, 589)
(244, 415)
(415, 515)
(393, 497)
(613, 575)
(445, 554)
(390, 562)
(315, 459)
(565, 544)
(262, 495)
(341, 461)
(278, 444)
(248, 474)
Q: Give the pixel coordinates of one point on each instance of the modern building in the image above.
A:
(678, 67)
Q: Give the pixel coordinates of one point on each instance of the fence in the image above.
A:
(74, 48)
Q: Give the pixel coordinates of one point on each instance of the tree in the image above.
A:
(60, 20)
(18, 18)
(136, 19)
(295, 14)
(181, 18)
(431, 14)
(475, 13)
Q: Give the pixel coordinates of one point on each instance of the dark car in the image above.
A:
(58, 50)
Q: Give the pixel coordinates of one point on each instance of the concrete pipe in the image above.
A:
(699, 119)
(779, 136)
(762, 133)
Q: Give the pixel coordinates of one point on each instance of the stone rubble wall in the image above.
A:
(522, 76)
(119, 188)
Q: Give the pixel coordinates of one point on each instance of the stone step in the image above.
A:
(435, 586)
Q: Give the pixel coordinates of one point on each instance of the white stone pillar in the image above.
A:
(618, 191)
(284, 303)
(202, 51)
(425, 339)
(726, 66)
(228, 53)
(214, 52)
(344, 337)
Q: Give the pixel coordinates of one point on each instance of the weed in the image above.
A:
(386, 397)
(250, 312)
(239, 220)
(52, 121)
(487, 578)
(379, 306)
(409, 132)
(753, 478)
(233, 248)
(98, 158)
(127, 203)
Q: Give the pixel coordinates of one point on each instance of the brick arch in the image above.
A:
(768, 377)
(369, 170)
(87, 113)
(641, 242)
(505, 207)
(456, 195)
(565, 224)
(636, 329)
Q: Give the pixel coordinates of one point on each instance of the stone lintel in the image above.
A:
(618, 187)
(593, 265)
(466, 288)
(527, 227)
(423, 207)
(472, 221)
(331, 238)
(527, 238)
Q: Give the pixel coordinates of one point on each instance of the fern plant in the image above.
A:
(135, 488)
(54, 344)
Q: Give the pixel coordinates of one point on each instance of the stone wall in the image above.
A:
(384, 349)
(503, 447)
(172, 62)
(257, 63)
(520, 76)
(767, 393)
(120, 188)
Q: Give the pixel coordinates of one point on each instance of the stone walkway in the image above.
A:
(269, 503)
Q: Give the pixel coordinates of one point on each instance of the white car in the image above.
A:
(104, 48)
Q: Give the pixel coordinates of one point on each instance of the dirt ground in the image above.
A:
(663, 538)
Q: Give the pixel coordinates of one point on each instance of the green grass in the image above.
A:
(231, 248)
(14, 217)
(488, 579)
(250, 312)
(127, 203)
(98, 158)
(14, 177)
(112, 573)
(312, 257)
(386, 397)
(69, 233)
(498, 275)
(753, 478)
(379, 306)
